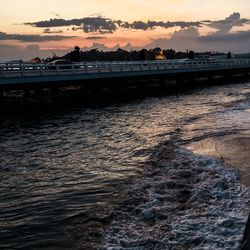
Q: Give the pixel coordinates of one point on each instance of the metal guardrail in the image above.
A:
(29, 70)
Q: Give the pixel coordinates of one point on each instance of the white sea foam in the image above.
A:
(186, 202)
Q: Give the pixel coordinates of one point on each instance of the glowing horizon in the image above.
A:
(125, 23)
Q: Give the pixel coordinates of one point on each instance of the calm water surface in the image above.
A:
(59, 165)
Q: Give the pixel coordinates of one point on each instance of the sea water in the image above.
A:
(121, 176)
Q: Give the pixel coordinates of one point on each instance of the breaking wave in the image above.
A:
(182, 201)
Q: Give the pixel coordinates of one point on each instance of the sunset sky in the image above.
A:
(40, 27)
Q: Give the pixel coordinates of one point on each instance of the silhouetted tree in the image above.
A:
(144, 55)
(191, 54)
(229, 55)
(170, 53)
(124, 55)
(74, 55)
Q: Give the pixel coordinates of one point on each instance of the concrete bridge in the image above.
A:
(23, 76)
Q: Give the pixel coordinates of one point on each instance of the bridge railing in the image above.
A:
(29, 69)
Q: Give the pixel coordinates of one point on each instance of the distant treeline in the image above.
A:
(78, 55)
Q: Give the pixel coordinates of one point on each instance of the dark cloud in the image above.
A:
(187, 33)
(189, 38)
(100, 46)
(138, 25)
(104, 25)
(87, 24)
(32, 38)
(49, 31)
(75, 28)
(125, 25)
(56, 14)
(95, 37)
(241, 36)
(103, 47)
(152, 24)
(224, 26)
(9, 52)
(180, 40)
(55, 22)
(98, 24)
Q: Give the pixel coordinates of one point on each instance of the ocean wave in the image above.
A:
(182, 201)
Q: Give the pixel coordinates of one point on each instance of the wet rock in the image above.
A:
(245, 244)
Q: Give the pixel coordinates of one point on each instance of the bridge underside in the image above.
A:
(123, 82)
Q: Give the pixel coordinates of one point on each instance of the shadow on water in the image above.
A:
(18, 110)
(19, 105)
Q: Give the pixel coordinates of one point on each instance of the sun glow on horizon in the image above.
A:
(129, 23)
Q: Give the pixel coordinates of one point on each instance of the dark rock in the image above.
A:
(245, 244)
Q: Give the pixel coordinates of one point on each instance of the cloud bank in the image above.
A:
(32, 38)
(106, 25)
(222, 37)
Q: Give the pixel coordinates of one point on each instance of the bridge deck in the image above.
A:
(21, 74)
